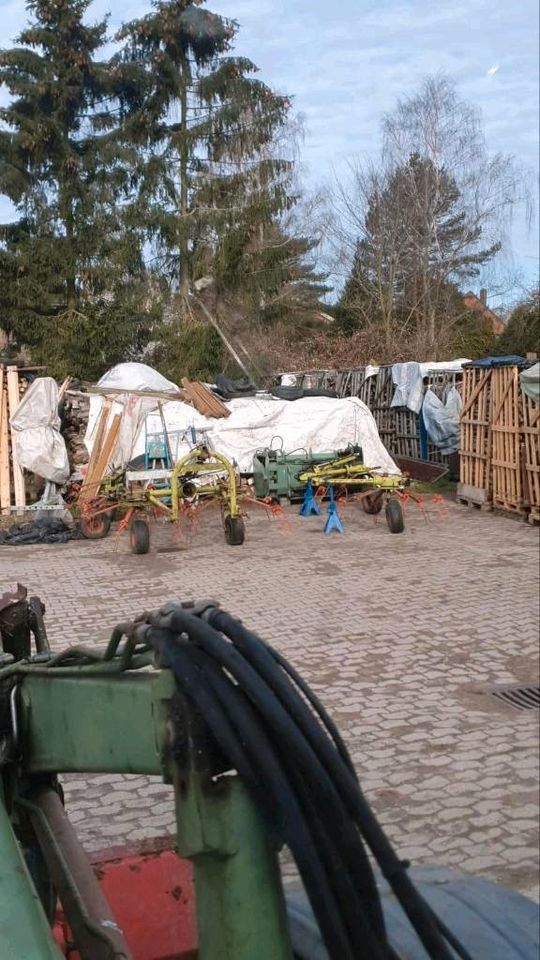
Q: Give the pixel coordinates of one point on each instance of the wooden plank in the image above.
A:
(477, 390)
(204, 400)
(108, 448)
(64, 387)
(13, 403)
(101, 428)
(5, 485)
(91, 489)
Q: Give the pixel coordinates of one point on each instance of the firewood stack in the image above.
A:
(74, 423)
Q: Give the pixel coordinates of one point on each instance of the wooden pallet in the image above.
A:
(506, 429)
(475, 445)
(471, 496)
(398, 427)
(204, 400)
(531, 454)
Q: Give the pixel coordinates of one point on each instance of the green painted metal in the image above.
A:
(240, 903)
(24, 931)
(92, 723)
(275, 474)
(90, 719)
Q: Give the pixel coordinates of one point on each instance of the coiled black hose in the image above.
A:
(287, 750)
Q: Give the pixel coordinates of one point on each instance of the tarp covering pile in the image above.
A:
(39, 444)
(134, 409)
(530, 382)
(314, 424)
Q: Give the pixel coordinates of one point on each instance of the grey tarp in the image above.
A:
(530, 382)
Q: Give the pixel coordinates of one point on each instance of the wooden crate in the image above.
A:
(507, 458)
(475, 445)
(531, 454)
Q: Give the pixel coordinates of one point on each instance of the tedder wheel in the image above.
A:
(235, 531)
(95, 528)
(394, 516)
(139, 536)
(373, 503)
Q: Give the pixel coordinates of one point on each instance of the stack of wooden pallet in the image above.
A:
(12, 487)
(507, 440)
(399, 427)
(500, 443)
(475, 447)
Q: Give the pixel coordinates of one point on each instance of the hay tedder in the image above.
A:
(189, 694)
(373, 489)
(201, 477)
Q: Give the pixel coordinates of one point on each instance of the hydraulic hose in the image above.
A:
(290, 755)
(288, 818)
(292, 743)
(256, 652)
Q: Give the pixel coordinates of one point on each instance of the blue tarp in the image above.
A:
(489, 362)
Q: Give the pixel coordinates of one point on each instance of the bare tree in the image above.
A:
(425, 220)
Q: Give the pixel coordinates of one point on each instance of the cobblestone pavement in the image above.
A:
(400, 635)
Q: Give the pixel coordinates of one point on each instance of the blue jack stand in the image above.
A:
(334, 519)
(310, 504)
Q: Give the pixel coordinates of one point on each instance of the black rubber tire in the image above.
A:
(394, 516)
(492, 923)
(95, 528)
(139, 536)
(235, 531)
(373, 504)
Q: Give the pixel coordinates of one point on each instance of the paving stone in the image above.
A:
(394, 646)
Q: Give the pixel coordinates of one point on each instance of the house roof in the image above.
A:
(473, 302)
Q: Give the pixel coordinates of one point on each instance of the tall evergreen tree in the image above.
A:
(72, 279)
(212, 189)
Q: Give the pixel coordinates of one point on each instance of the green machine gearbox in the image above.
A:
(275, 474)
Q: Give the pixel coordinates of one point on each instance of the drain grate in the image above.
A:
(518, 697)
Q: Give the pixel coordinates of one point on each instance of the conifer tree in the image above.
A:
(72, 280)
(212, 185)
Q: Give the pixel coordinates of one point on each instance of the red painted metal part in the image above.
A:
(150, 891)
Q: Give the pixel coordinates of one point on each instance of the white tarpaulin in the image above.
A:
(315, 424)
(408, 380)
(125, 377)
(442, 419)
(530, 382)
(442, 366)
(409, 386)
(39, 445)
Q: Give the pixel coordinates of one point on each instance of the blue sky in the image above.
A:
(345, 62)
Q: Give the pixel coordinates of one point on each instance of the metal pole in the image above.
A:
(95, 931)
(227, 343)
